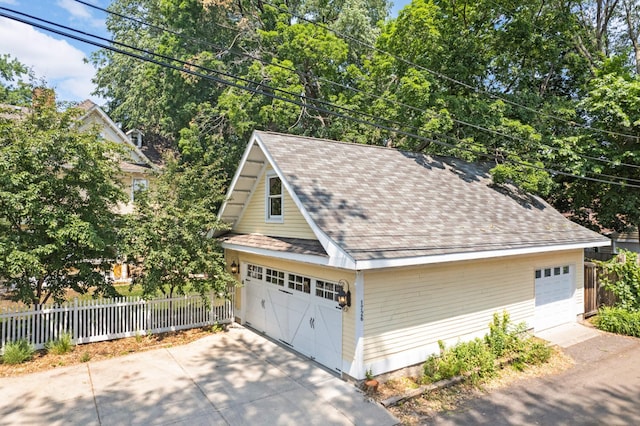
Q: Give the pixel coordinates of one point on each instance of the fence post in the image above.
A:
(212, 308)
(75, 320)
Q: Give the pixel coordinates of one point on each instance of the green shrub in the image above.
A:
(17, 352)
(472, 358)
(61, 345)
(530, 352)
(477, 358)
(621, 276)
(86, 357)
(618, 320)
(503, 337)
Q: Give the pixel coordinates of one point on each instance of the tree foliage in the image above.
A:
(59, 188)
(519, 85)
(621, 276)
(169, 235)
(13, 89)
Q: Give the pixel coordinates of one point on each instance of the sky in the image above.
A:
(62, 61)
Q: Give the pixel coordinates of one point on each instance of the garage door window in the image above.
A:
(274, 276)
(254, 271)
(328, 290)
(300, 283)
(552, 272)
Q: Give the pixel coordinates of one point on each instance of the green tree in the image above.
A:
(59, 188)
(13, 90)
(260, 43)
(612, 104)
(170, 234)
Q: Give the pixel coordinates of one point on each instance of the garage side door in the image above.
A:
(555, 297)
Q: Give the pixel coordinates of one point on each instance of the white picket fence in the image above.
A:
(107, 319)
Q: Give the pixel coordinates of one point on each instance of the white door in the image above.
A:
(300, 311)
(328, 342)
(255, 298)
(555, 297)
(301, 324)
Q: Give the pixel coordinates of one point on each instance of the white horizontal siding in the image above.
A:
(408, 310)
(253, 220)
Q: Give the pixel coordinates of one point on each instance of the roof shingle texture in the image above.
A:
(379, 203)
(290, 245)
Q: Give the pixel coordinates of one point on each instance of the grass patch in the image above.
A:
(17, 352)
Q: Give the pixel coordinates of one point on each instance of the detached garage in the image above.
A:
(363, 257)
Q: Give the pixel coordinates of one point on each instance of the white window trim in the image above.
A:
(267, 217)
(139, 188)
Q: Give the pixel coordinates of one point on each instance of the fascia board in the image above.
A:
(455, 257)
(306, 258)
(331, 247)
(236, 176)
(122, 135)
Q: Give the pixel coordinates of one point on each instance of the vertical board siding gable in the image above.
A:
(253, 218)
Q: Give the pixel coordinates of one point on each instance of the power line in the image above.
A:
(276, 97)
(450, 79)
(350, 88)
(211, 70)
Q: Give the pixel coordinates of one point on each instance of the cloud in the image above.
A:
(61, 64)
(12, 2)
(80, 12)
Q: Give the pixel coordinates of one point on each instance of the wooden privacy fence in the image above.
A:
(595, 294)
(107, 319)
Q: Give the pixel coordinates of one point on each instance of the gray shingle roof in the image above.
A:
(289, 245)
(381, 203)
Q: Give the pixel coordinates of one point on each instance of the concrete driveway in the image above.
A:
(235, 378)
(603, 388)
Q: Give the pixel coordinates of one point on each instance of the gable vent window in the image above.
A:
(274, 198)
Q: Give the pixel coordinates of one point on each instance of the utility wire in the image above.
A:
(350, 88)
(447, 78)
(211, 70)
(277, 97)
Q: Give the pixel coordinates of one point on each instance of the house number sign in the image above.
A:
(361, 310)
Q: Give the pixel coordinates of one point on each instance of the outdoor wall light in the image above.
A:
(234, 267)
(344, 298)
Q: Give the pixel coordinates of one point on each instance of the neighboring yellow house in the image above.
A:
(137, 170)
(426, 248)
(145, 157)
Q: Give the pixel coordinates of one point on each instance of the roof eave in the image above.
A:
(332, 261)
(454, 257)
(120, 133)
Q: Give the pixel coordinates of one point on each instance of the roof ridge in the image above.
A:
(364, 145)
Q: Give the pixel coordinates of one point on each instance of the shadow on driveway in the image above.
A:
(235, 378)
(602, 388)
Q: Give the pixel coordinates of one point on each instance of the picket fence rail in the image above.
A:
(108, 319)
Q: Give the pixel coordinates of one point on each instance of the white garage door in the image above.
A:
(555, 297)
(298, 310)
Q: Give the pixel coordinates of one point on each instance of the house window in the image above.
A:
(138, 185)
(274, 198)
